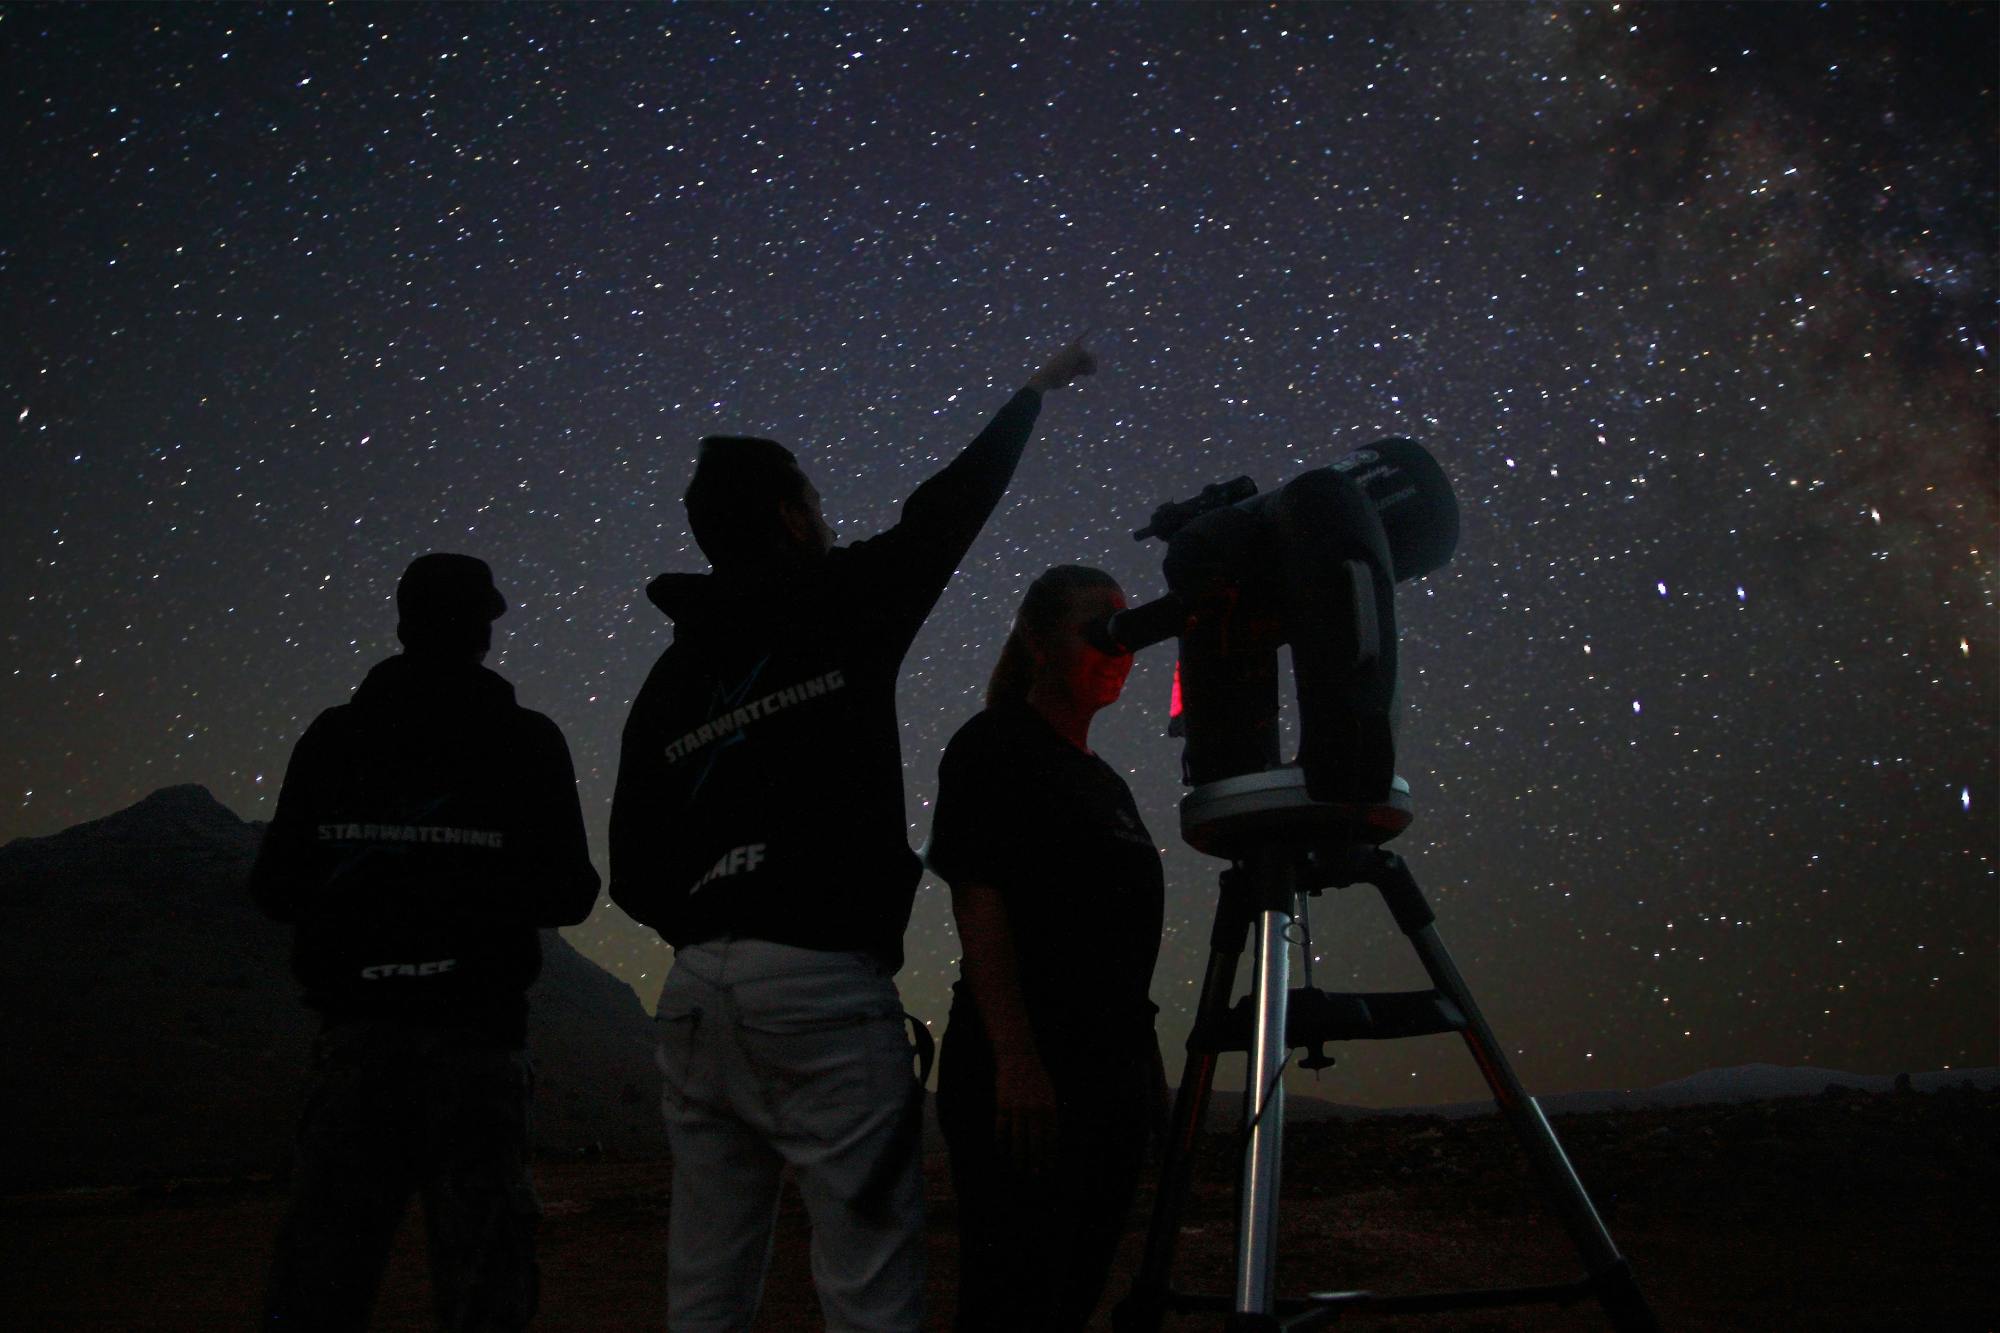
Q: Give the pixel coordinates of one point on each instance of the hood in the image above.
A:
(424, 683)
(702, 602)
(689, 599)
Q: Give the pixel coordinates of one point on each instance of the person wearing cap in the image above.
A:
(759, 825)
(426, 830)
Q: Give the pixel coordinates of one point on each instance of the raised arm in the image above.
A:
(945, 513)
(949, 509)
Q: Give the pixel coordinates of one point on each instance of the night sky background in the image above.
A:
(1695, 304)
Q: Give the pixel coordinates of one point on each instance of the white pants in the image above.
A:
(774, 1056)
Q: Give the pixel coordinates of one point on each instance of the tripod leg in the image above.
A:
(1274, 883)
(1145, 1306)
(1617, 1289)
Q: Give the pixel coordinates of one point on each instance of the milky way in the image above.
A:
(1695, 305)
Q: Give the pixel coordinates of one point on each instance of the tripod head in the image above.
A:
(1314, 565)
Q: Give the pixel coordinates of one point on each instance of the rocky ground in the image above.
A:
(1842, 1211)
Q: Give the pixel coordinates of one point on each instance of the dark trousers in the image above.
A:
(1035, 1251)
(394, 1111)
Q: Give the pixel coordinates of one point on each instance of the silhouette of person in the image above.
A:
(759, 825)
(425, 830)
(1051, 1075)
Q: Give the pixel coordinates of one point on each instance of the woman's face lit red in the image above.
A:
(1067, 664)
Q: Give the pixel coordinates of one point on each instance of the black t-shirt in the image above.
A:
(1055, 832)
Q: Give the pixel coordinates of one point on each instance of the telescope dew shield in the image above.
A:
(1412, 497)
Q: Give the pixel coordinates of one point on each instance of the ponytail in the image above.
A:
(1045, 606)
(1014, 672)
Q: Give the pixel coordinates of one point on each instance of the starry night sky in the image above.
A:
(1695, 304)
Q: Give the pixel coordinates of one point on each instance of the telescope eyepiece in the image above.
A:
(1137, 627)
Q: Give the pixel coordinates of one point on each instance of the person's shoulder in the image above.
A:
(339, 720)
(989, 721)
(853, 570)
(986, 762)
(334, 715)
(878, 568)
(998, 728)
(324, 746)
(533, 727)
(535, 722)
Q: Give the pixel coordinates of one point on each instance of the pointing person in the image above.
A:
(759, 825)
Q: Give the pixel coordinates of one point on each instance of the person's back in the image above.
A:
(759, 825)
(425, 831)
(440, 837)
(777, 697)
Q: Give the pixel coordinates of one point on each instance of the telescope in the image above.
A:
(1314, 566)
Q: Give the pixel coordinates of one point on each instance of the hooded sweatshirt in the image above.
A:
(760, 786)
(425, 830)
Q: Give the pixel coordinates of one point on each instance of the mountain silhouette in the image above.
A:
(158, 1032)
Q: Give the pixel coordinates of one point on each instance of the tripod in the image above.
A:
(1283, 844)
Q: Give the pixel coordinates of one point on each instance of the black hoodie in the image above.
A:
(424, 832)
(760, 787)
